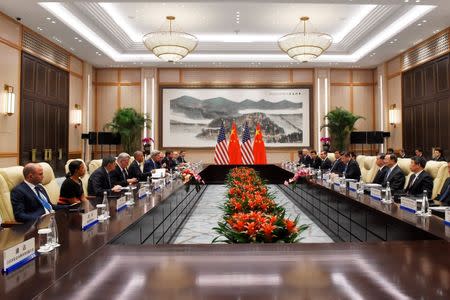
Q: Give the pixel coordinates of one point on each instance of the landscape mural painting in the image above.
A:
(191, 117)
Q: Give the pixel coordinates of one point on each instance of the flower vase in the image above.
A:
(326, 147)
(147, 149)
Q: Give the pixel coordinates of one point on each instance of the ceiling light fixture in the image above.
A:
(304, 46)
(170, 45)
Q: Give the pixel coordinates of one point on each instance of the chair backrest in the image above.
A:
(94, 165)
(331, 156)
(438, 170)
(85, 178)
(368, 167)
(12, 175)
(6, 210)
(404, 165)
(49, 183)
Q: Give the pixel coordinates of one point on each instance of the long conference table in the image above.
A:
(381, 252)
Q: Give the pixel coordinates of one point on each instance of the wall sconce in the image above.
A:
(9, 100)
(394, 115)
(75, 115)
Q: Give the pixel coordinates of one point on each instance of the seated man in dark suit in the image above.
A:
(394, 174)
(419, 180)
(402, 153)
(120, 174)
(168, 161)
(419, 152)
(306, 158)
(338, 166)
(444, 195)
(182, 157)
(136, 169)
(316, 161)
(438, 154)
(326, 162)
(351, 167)
(379, 177)
(154, 162)
(29, 199)
(99, 180)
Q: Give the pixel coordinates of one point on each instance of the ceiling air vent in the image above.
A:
(44, 49)
(427, 50)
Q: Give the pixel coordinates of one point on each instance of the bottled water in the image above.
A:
(425, 210)
(388, 198)
(53, 234)
(319, 174)
(361, 185)
(106, 206)
(148, 190)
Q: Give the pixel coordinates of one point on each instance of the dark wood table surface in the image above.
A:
(86, 266)
(393, 270)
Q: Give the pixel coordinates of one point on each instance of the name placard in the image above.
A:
(408, 204)
(89, 219)
(353, 186)
(121, 203)
(18, 255)
(142, 193)
(326, 177)
(375, 194)
(447, 217)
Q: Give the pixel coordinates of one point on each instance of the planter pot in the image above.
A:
(326, 147)
(147, 149)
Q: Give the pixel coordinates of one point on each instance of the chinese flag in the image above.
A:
(234, 147)
(259, 149)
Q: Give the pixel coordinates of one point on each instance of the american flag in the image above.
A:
(246, 147)
(221, 151)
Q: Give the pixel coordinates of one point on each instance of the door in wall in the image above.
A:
(44, 108)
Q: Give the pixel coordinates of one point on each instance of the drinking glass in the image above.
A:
(129, 197)
(44, 245)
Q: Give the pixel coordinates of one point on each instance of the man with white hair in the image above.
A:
(154, 162)
(120, 175)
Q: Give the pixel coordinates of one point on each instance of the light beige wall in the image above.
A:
(10, 69)
(394, 97)
(353, 90)
(10, 61)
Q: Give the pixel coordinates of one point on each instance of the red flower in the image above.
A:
(290, 225)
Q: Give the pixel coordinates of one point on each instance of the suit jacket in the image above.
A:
(379, 177)
(168, 163)
(149, 165)
(337, 167)
(134, 171)
(99, 182)
(316, 163)
(442, 197)
(440, 158)
(26, 204)
(352, 171)
(326, 164)
(117, 177)
(423, 182)
(181, 160)
(306, 160)
(396, 179)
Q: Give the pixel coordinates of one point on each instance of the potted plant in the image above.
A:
(129, 124)
(340, 122)
(325, 143)
(147, 147)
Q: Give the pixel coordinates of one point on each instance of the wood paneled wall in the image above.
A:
(426, 106)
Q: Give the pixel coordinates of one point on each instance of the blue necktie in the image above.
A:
(388, 173)
(445, 194)
(43, 201)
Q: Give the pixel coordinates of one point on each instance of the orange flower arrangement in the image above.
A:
(251, 214)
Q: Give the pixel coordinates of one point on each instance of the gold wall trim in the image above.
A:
(76, 74)
(10, 44)
(8, 154)
(117, 83)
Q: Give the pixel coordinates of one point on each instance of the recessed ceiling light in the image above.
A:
(72, 49)
(395, 40)
(424, 21)
(48, 18)
(76, 38)
(420, 24)
(53, 22)
(406, 1)
(417, 1)
(39, 28)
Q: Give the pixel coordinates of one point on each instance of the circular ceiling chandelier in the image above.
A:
(305, 46)
(170, 45)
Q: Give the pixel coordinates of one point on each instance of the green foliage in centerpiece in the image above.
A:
(251, 214)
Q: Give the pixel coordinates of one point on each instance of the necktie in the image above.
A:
(387, 174)
(445, 194)
(43, 200)
(412, 180)
(124, 173)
